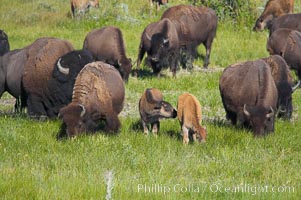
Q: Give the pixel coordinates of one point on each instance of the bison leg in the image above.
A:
(145, 128)
(36, 108)
(112, 123)
(208, 44)
(155, 128)
(185, 132)
(139, 59)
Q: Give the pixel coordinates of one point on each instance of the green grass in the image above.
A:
(231, 165)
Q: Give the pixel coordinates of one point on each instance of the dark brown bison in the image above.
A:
(190, 118)
(152, 108)
(98, 95)
(290, 21)
(273, 9)
(195, 25)
(284, 83)
(287, 43)
(42, 55)
(160, 41)
(4, 44)
(63, 77)
(249, 95)
(80, 7)
(107, 45)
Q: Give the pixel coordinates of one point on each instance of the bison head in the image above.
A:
(125, 67)
(262, 23)
(201, 134)
(4, 44)
(260, 119)
(159, 108)
(70, 64)
(284, 104)
(158, 54)
(72, 117)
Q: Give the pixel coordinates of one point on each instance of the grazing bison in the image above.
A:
(284, 82)
(273, 9)
(195, 25)
(63, 77)
(190, 118)
(98, 95)
(160, 41)
(11, 72)
(152, 108)
(249, 95)
(42, 55)
(158, 3)
(107, 45)
(287, 43)
(82, 6)
(289, 21)
(4, 44)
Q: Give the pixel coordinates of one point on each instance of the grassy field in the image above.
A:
(231, 165)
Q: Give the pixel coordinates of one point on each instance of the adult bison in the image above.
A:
(195, 25)
(4, 44)
(284, 83)
(98, 95)
(161, 43)
(80, 7)
(249, 95)
(273, 9)
(63, 77)
(289, 21)
(42, 55)
(107, 45)
(287, 43)
(11, 72)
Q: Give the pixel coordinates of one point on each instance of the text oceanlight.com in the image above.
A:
(214, 188)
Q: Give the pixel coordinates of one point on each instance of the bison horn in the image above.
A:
(245, 111)
(148, 37)
(296, 86)
(83, 110)
(62, 69)
(271, 113)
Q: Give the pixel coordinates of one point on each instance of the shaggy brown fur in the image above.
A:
(98, 95)
(42, 57)
(107, 45)
(249, 95)
(152, 108)
(287, 43)
(190, 118)
(273, 9)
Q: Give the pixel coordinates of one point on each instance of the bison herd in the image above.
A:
(85, 87)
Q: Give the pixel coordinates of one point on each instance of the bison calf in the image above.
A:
(190, 118)
(152, 108)
(98, 95)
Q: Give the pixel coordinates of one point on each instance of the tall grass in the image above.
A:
(231, 165)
